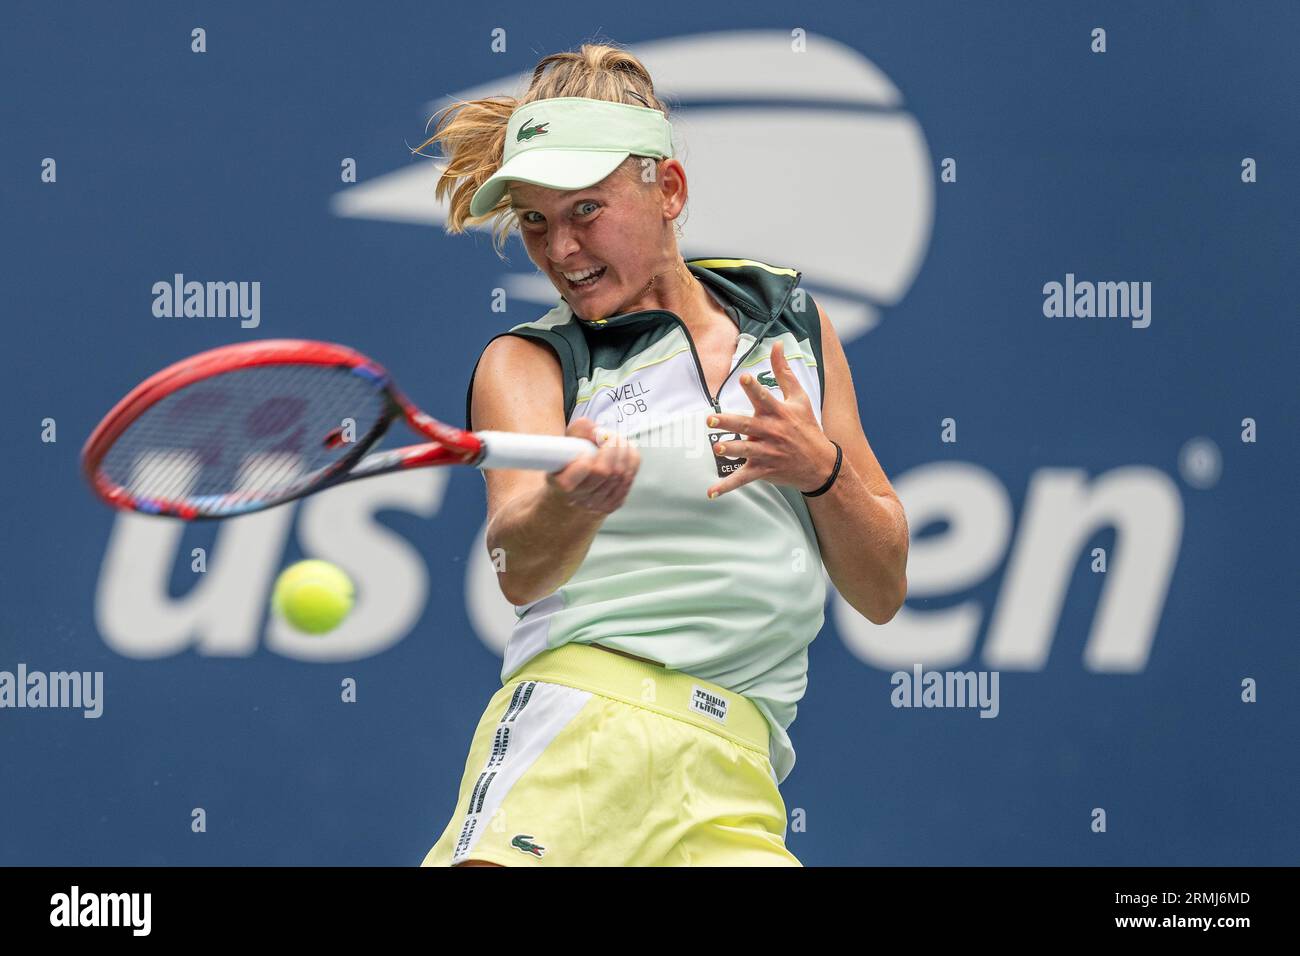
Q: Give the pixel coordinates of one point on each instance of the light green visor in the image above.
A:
(570, 142)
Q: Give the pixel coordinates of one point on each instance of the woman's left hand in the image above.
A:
(784, 444)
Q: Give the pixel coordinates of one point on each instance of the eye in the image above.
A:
(582, 207)
(532, 212)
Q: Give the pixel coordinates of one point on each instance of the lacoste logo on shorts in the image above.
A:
(710, 705)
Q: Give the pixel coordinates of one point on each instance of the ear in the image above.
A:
(672, 186)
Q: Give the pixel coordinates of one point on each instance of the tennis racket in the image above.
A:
(246, 427)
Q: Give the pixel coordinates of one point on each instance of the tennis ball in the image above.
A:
(313, 596)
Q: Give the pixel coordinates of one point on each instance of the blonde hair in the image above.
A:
(472, 134)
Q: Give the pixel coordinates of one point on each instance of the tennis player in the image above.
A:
(666, 589)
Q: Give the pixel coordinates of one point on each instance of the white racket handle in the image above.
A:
(535, 452)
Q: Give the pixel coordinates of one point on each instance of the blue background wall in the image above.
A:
(1121, 166)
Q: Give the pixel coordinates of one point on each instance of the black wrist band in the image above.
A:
(835, 472)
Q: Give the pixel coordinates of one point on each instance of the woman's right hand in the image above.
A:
(598, 482)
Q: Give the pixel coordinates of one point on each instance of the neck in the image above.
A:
(674, 289)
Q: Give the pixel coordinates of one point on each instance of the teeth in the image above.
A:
(579, 276)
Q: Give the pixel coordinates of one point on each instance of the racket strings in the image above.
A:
(246, 435)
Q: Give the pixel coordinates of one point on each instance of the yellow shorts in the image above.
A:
(588, 758)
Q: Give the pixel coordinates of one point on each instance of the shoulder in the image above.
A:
(547, 354)
(511, 365)
(743, 266)
(516, 359)
(839, 397)
(512, 352)
(760, 287)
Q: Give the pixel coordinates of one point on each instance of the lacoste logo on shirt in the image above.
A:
(766, 378)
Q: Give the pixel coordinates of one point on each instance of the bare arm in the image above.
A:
(860, 523)
(543, 524)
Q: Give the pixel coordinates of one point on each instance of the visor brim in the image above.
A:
(563, 169)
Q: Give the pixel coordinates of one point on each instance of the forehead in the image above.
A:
(531, 196)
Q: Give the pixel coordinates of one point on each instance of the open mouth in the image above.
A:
(587, 282)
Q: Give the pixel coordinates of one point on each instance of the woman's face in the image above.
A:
(600, 246)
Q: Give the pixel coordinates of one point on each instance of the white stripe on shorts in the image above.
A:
(535, 716)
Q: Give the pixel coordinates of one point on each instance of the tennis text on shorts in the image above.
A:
(710, 705)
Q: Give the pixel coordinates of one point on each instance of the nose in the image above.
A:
(560, 243)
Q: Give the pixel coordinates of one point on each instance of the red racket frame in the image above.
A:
(448, 444)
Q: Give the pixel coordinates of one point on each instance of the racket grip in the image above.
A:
(534, 452)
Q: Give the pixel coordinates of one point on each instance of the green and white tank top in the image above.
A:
(730, 590)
